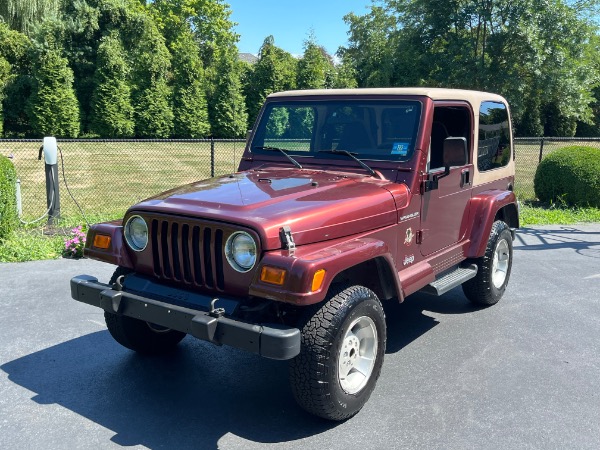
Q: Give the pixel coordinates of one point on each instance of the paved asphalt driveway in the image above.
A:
(522, 374)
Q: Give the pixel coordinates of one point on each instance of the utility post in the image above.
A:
(50, 150)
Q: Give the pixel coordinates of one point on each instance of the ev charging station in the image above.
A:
(50, 150)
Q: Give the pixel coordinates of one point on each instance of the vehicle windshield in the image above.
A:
(370, 129)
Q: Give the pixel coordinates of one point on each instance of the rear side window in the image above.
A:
(494, 147)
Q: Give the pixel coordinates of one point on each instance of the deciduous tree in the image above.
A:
(371, 49)
(531, 51)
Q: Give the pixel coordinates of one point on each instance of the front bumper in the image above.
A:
(271, 341)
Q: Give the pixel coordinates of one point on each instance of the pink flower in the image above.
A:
(74, 244)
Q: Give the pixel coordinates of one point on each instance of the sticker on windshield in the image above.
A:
(400, 148)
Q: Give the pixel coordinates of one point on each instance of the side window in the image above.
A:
(494, 136)
(448, 121)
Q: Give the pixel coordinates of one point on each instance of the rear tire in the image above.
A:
(493, 269)
(342, 351)
(137, 335)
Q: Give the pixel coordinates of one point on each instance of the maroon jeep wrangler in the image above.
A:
(344, 199)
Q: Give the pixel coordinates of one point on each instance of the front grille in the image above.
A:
(188, 253)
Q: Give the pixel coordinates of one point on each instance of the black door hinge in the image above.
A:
(419, 237)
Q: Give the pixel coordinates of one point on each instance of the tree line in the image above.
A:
(127, 68)
(542, 55)
(170, 68)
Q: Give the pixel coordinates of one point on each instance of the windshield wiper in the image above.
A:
(283, 151)
(351, 155)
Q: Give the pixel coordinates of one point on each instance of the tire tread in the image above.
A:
(479, 289)
(310, 369)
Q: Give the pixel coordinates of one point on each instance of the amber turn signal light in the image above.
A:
(102, 241)
(272, 275)
(318, 280)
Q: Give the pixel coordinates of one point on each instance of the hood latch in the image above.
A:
(287, 240)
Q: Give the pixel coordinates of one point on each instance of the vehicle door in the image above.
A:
(444, 207)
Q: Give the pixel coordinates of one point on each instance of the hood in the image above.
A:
(317, 205)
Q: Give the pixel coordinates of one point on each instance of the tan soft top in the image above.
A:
(473, 97)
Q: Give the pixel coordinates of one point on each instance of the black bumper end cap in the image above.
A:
(277, 342)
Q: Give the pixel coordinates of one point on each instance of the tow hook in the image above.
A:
(215, 312)
(118, 286)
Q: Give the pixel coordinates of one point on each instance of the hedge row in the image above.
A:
(8, 201)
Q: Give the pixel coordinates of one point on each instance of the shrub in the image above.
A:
(8, 201)
(570, 175)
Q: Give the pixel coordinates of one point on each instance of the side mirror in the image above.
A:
(455, 152)
(248, 134)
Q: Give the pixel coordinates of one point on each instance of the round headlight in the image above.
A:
(240, 250)
(136, 233)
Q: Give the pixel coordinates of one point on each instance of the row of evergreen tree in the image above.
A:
(124, 68)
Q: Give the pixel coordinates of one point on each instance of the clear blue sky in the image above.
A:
(290, 21)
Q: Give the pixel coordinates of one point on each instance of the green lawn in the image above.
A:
(533, 213)
(108, 177)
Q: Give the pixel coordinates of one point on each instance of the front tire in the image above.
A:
(137, 335)
(493, 269)
(342, 351)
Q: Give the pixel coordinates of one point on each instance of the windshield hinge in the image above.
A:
(287, 240)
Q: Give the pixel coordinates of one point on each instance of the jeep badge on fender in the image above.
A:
(343, 200)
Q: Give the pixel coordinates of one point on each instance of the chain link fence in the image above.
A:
(108, 176)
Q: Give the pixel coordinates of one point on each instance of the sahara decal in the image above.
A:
(409, 216)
